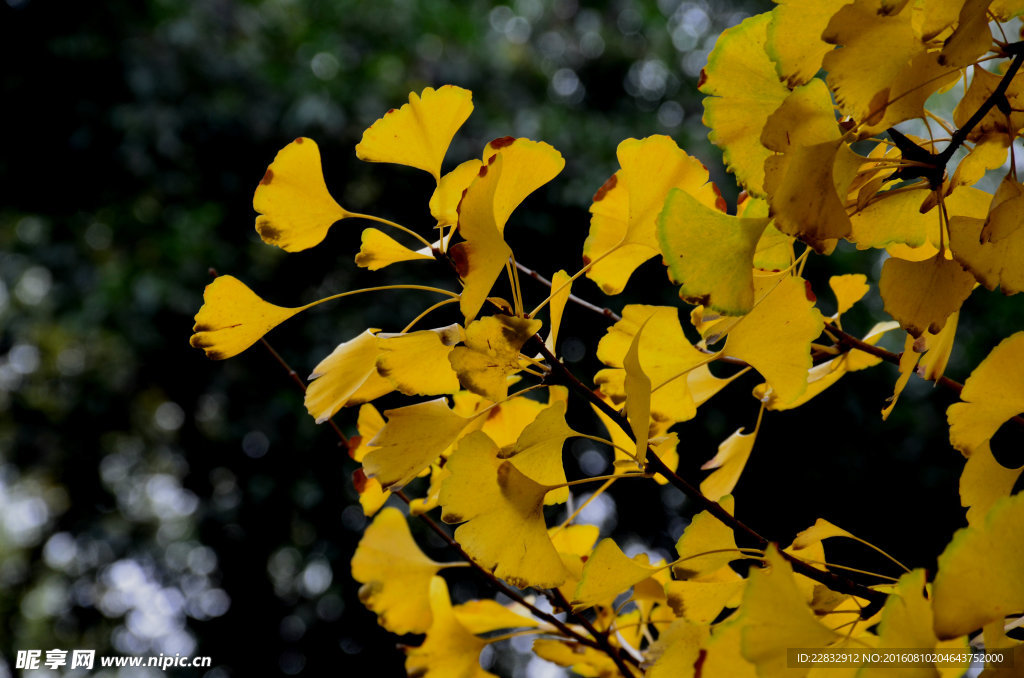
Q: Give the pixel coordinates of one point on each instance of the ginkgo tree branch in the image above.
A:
(599, 640)
(563, 375)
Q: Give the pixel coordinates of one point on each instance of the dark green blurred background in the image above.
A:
(153, 501)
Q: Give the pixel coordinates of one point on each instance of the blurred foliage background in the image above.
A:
(152, 501)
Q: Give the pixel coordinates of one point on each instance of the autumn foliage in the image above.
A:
(804, 103)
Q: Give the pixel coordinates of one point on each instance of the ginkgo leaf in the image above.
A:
(992, 394)
(920, 295)
(1004, 217)
(413, 437)
(449, 650)
(702, 600)
(983, 84)
(743, 90)
(637, 385)
(724, 656)
(892, 219)
(371, 495)
(906, 622)
(609, 572)
(379, 249)
(491, 353)
(581, 659)
(794, 37)
(395, 574)
(486, 615)
(993, 264)
(348, 376)
(505, 422)
(233, 318)
(444, 202)
(418, 134)
(972, 37)
(538, 451)
(860, 73)
(665, 354)
(849, 289)
(709, 253)
(775, 338)
(804, 186)
(940, 346)
(623, 229)
(805, 117)
(561, 288)
(776, 617)
(979, 580)
(706, 545)
(988, 154)
(728, 463)
(502, 512)
(296, 209)
(527, 166)
(482, 257)
(774, 250)
(908, 361)
(417, 362)
(983, 482)
(677, 650)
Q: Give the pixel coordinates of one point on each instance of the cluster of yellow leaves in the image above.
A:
(491, 461)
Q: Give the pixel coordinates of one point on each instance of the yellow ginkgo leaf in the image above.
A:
(804, 186)
(665, 354)
(892, 219)
(491, 353)
(486, 615)
(983, 482)
(348, 376)
(849, 289)
(395, 574)
(860, 73)
(972, 36)
(724, 657)
(700, 600)
(637, 385)
(709, 253)
(993, 264)
(776, 617)
(444, 203)
(728, 463)
(743, 90)
(983, 84)
(608, 573)
(775, 338)
(988, 154)
(920, 295)
(979, 580)
(706, 545)
(296, 209)
(623, 229)
(908, 361)
(538, 451)
(379, 249)
(527, 166)
(794, 37)
(503, 516)
(417, 362)
(449, 649)
(418, 134)
(582, 659)
(413, 437)
(992, 394)
(774, 250)
(233, 318)
(677, 649)
(505, 422)
(806, 117)
(940, 345)
(482, 257)
(561, 288)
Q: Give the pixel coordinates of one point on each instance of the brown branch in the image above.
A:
(561, 374)
(606, 312)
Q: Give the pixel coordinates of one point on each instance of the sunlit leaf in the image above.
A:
(395, 574)
(538, 451)
(728, 464)
(233, 318)
(502, 512)
(491, 353)
(983, 482)
(706, 545)
(993, 264)
(676, 652)
(296, 209)
(417, 362)
(908, 361)
(348, 376)
(743, 90)
(637, 385)
(700, 600)
(794, 37)
(709, 253)
(992, 394)
(449, 649)
(979, 572)
(608, 573)
(413, 437)
(379, 249)
(418, 133)
(444, 203)
(485, 616)
(561, 287)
